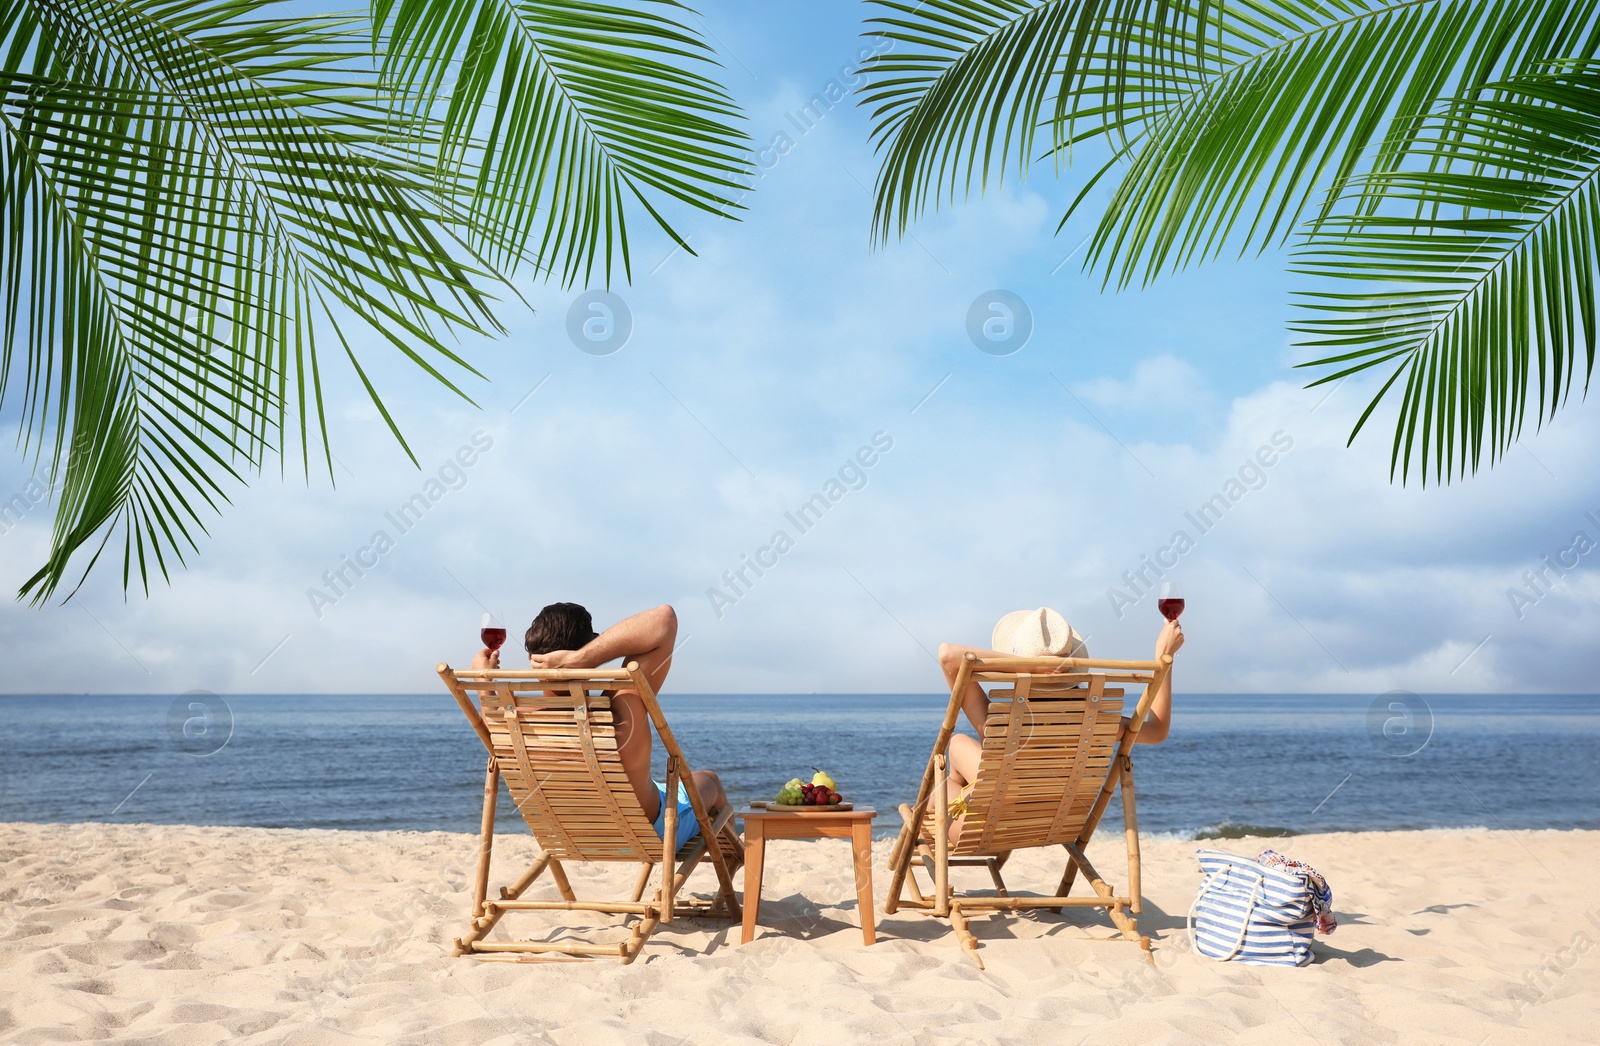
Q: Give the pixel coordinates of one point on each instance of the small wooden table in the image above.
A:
(761, 825)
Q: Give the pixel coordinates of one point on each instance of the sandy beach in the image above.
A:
(185, 935)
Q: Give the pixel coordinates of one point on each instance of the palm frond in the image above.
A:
(959, 94)
(1228, 121)
(571, 113)
(1308, 94)
(190, 188)
(1481, 240)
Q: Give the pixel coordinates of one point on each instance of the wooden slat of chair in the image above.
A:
(581, 778)
(1063, 826)
(1001, 752)
(1048, 768)
(605, 786)
(532, 803)
(1049, 738)
(551, 736)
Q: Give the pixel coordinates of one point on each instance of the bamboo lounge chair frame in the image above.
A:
(1051, 761)
(550, 736)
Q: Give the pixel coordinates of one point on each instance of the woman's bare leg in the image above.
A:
(952, 792)
(964, 755)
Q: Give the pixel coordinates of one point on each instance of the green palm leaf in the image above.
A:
(572, 113)
(190, 189)
(1483, 245)
(1240, 122)
(196, 190)
(1306, 93)
(1228, 121)
(962, 92)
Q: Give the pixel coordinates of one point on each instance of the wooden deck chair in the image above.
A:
(550, 737)
(1051, 760)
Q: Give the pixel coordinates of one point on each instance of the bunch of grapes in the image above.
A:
(808, 793)
(817, 795)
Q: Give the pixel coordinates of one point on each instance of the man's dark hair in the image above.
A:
(559, 626)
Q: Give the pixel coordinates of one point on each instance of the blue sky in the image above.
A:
(753, 375)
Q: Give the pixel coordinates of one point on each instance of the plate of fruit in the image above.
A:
(814, 796)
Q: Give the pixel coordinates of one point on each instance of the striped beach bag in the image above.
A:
(1261, 911)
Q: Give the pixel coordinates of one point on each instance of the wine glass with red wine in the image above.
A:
(493, 632)
(1170, 601)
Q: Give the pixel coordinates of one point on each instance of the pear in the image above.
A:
(822, 780)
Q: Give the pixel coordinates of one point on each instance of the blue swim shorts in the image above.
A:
(688, 827)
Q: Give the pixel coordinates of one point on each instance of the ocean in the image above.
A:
(1234, 764)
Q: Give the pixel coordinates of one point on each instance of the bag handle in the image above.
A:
(1244, 922)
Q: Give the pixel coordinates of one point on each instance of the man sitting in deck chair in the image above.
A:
(563, 636)
(1034, 633)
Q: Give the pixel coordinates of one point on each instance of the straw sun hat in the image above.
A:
(1037, 633)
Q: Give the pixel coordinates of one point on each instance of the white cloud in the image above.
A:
(605, 490)
(780, 350)
(1159, 385)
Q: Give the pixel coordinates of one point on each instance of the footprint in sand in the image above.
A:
(239, 1022)
(92, 987)
(112, 953)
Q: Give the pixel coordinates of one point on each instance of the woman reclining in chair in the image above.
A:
(1033, 633)
(563, 636)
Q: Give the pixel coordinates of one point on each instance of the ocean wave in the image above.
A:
(1241, 830)
(1223, 830)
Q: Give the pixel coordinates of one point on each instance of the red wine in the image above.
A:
(1170, 608)
(493, 637)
